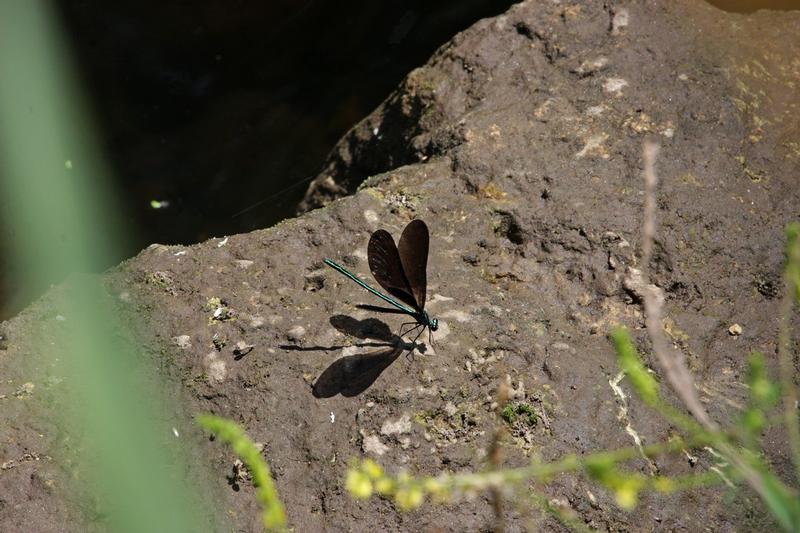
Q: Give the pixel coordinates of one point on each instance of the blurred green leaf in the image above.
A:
(643, 383)
(62, 218)
(273, 514)
(763, 392)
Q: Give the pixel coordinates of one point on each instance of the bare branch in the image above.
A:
(670, 359)
(496, 458)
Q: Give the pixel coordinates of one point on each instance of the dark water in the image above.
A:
(211, 106)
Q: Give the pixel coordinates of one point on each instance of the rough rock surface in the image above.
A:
(519, 143)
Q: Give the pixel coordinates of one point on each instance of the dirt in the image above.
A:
(519, 143)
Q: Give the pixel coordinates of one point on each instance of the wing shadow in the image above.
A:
(367, 329)
(353, 374)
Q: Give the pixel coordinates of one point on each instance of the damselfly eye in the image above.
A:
(434, 324)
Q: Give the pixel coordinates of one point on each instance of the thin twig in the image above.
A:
(671, 360)
(496, 458)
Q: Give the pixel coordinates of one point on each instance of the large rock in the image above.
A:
(519, 143)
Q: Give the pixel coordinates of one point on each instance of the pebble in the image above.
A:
(25, 390)
(735, 330)
(372, 444)
(242, 348)
(398, 427)
(216, 367)
(620, 21)
(614, 85)
(182, 341)
(296, 333)
(592, 66)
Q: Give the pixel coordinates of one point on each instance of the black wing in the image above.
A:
(413, 248)
(384, 262)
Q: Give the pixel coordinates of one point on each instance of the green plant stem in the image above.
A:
(273, 514)
(571, 463)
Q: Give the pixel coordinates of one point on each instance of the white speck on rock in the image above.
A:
(370, 216)
(634, 282)
(620, 21)
(372, 444)
(398, 427)
(515, 393)
(592, 65)
(595, 110)
(25, 390)
(243, 263)
(614, 85)
(594, 145)
(242, 348)
(496, 311)
(182, 341)
(735, 330)
(296, 333)
(333, 417)
(457, 315)
(217, 370)
(222, 243)
(351, 350)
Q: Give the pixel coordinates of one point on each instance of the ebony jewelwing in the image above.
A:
(400, 270)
